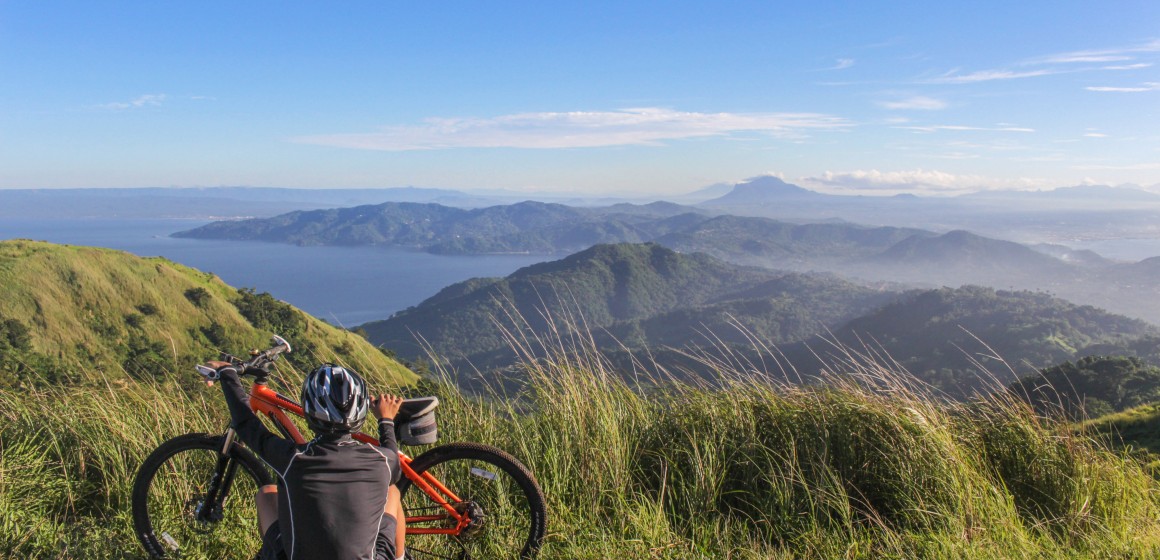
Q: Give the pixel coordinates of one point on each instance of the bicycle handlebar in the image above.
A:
(258, 365)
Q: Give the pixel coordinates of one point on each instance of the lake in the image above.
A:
(346, 286)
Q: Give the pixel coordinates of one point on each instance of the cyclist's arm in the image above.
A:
(385, 408)
(387, 441)
(272, 448)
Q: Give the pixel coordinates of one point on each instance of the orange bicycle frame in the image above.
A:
(264, 400)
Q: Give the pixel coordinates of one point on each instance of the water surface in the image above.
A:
(344, 285)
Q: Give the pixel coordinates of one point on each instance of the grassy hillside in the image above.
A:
(87, 315)
(747, 472)
(1138, 428)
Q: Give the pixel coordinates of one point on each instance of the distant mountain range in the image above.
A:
(1072, 213)
(631, 298)
(909, 256)
(1081, 212)
(524, 227)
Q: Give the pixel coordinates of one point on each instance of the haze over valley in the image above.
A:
(773, 267)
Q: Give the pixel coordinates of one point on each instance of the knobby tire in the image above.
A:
(170, 488)
(493, 481)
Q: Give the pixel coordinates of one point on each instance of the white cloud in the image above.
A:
(1098, 55)
(1079, 57)
(920, 102)
(842, 64)
(952, 127)
(1128, 167)
(989, 75)
(1136, 66)
(1095, 135)
(147, 100)
(1148, 86)
(918, 180)
(579, 129)
(1057, 64)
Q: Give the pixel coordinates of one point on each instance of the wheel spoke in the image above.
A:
(501, 505)
(174, 517)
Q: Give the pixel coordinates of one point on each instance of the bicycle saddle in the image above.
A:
(412, 408)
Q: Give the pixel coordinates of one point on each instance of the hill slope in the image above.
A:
(1091, 386)
(84, 314)
(948, 336)
(643, 295)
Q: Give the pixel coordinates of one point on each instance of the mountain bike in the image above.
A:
(193, 497)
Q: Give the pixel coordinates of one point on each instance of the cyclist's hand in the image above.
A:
(386, 406)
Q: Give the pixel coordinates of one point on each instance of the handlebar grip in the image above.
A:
(209, 373)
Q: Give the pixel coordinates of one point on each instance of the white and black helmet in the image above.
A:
(334, 399)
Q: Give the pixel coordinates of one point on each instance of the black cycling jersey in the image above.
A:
(332, 491)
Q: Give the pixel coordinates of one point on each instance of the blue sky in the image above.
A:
(648, 98)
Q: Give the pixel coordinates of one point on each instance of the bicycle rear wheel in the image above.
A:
(499, 494)
(174, 513)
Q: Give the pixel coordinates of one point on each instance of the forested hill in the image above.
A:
(644, 294)
(650, 301)
(1091, 386)
(73, 314)
(554, 228)
(524, 227)
(954, 338)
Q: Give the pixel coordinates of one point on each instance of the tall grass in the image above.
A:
(865, 464)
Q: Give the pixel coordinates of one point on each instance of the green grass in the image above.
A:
(864, 466)
(93, 315)
(1136, 431)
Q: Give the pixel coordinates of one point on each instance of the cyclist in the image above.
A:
(335, 496)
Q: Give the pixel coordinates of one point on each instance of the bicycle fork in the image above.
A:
(211, 510)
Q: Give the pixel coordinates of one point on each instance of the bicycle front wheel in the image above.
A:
(496, 492)
(191, 501)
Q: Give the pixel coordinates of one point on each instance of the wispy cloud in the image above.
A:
(920, 102)
(1058, 63)
(955, 127)
(1148, 86)
(1127, 167)
(580, 129)
(842, 64)
(1081, 57)
(954, 77)
(147, 100)
(955, 155)
(1114, 54)
(917, 180)
(1136, 66)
